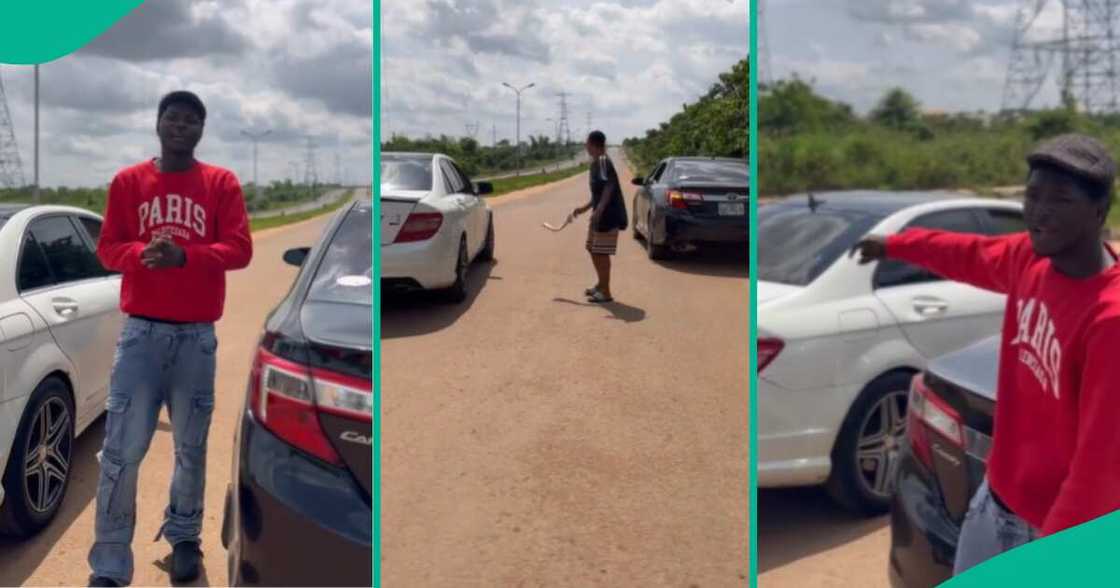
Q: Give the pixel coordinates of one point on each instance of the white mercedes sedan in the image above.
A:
(434, 224)
(839, 342)
(59, 321)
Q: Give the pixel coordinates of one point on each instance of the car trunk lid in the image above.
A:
(713, 200)
(963, 382)
(340, 352)
(396, 205)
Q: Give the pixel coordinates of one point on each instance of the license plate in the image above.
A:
(732, 208)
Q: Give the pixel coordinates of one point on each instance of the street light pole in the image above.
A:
(518, 91)
(36, 189)
(255, 138)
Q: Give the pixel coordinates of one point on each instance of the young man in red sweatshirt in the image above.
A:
(1055, 460)
(173, 227)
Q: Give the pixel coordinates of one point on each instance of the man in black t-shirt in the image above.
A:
(608, 218)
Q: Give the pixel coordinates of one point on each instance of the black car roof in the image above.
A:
(877, 203)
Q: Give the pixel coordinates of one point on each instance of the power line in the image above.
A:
(11, 169)
(1088, 49)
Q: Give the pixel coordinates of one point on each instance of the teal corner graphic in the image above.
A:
(1079, 556)
(42, 31)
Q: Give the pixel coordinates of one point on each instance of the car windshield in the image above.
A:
(796, 244)
(406, 173)
(723, 172)
(346, 272)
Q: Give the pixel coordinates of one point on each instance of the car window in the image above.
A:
(724, 172)
(1002, 221)
(893, 272)
(345, 273)
(797, 244)
(69, 257)
(454, 182)
(656, 175)
(406, 173)
(464, 179)
(33, 271)
(93, 227)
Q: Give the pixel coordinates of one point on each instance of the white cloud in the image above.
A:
(630, 64)
(288, 65)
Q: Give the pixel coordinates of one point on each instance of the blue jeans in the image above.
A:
(988, 531)
(155, 364)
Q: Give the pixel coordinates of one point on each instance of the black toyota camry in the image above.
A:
(299, 508)
(950, 415)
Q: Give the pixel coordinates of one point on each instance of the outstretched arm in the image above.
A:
(986, 262)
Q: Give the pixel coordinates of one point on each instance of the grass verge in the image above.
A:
(507, 185)
(258, 224)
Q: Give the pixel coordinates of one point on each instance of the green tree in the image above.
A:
(898, 110)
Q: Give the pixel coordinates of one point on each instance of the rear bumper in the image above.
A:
(923, 537)
(797, 429)
(430, 264)
(293, 521)
(685, 228)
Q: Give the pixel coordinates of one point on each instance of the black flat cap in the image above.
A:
(1078, 154)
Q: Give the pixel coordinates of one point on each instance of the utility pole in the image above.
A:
(36, 189)
(517, 146)
(255, 138)
(311, 174)
(494, 135)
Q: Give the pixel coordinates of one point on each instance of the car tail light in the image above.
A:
(768, 349)
(681, 200)
(286, 398)
(419, 226)
(928, 414)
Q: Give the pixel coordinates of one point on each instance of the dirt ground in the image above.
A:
(532, 439)
(806, 541)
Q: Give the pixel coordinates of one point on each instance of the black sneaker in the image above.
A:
(184, 561)
(103, 581)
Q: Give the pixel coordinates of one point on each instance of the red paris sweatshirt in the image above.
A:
(203, 211)
(1055, 459)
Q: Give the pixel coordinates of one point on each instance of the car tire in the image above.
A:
(487, 253)
(457, 292)
(653, 250)
(26, 510)
(848, 482)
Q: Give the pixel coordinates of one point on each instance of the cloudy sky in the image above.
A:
(629, 63)
(301, 68)
(952, 54)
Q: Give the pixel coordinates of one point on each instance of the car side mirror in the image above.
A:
(484, 188)
(638, 181)
(296, 256)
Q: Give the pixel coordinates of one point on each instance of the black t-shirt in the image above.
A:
(603, 175)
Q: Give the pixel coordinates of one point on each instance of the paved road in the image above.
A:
(550, 167)
(531, 439)
(58, 555)
(329, 197)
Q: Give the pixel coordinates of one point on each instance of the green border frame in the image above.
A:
(375, 188)
(752, 376)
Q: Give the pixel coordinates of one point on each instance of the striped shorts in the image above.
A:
(602, 243)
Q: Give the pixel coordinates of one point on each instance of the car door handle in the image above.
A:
(65, 307)
(930, 306)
